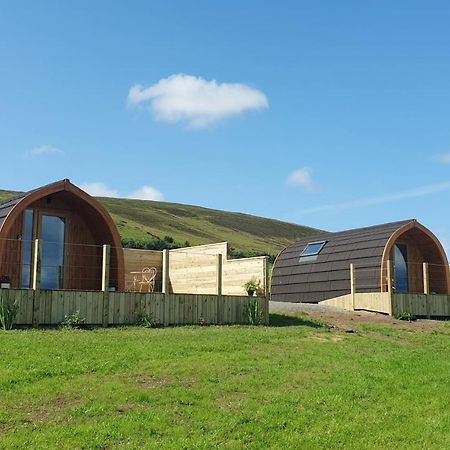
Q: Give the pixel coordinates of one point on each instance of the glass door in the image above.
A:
(52, 234)
(401, 269)
(27, 248)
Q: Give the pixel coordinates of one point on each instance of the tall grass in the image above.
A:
(8, 312)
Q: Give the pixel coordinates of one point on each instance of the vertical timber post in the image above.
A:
(389, 286)
(36, 281)
(105, 283)
(266, 290)
(426, 287)
(352, 284)
(219, 271)
(166, 284)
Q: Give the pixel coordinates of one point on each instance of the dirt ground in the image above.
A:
(347, 320)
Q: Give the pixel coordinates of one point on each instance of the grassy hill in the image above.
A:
(143, 221)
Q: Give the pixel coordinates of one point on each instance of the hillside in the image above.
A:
(143, 220)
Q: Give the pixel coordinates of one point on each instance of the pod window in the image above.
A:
(313, 249)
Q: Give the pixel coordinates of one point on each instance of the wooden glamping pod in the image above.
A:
(72, 227)
(318, 268)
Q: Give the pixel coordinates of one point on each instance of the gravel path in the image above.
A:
(286, 307)
(347, 320)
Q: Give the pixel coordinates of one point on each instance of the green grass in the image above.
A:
(141, 219)
(295, 384)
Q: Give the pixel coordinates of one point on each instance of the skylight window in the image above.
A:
(313, 249)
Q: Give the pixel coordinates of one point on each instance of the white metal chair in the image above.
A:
(148, 278)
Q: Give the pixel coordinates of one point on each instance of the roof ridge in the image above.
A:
(22, 195)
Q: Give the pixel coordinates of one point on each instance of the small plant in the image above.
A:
(404, 316)
(146, 321)
(253, 312)
(5, 281)
(8, 312)
(73, 321)
(252, 286)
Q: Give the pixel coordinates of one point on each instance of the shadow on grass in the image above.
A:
(282, 320)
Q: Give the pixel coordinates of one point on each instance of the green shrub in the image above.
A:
(146, 321)
(73, 320)
(237, 254)
(8, 313)
(253, 312)
(404, 316)
(252, 286)
(154, 243)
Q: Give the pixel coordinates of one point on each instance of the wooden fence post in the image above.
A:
(165, 273)
(266, 289)
(389, 286)
(105, 282)
(219, 271)
(166, 284)
(352, 284)
(389, 275)
(426, 287)
(36, 281)
(219, 283)
(426, 279)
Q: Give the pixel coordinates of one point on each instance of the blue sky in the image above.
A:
(329, 114)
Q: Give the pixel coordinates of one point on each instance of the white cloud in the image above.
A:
(45, 149)
(361, 203)
(196, 101)
(445, 158)
(99, 189)
(301, 178)
(147, 193)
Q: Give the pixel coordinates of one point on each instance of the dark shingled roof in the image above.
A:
(7, 205)
(328, 276)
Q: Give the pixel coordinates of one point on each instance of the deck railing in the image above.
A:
(420, 304)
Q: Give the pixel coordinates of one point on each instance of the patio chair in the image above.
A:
(148, 279)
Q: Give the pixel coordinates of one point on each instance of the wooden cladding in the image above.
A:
(87, 227)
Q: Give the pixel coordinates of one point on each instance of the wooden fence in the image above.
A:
(48, 307)
(203, 269)
(424, 304)
(419, 305)
(373, 301)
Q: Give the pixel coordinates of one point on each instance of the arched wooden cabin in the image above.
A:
(72, 226)
(318, 268)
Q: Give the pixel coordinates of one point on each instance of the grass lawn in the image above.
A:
(291, 385)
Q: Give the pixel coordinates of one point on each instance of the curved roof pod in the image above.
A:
(96, 216)
(327, 274)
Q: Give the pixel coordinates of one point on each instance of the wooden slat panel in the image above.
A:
(136, 260)
(174, 309)
(24, 302)
(236, 272)
(112, 306)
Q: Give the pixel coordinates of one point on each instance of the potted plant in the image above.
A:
(5, 282)
(251, 286)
